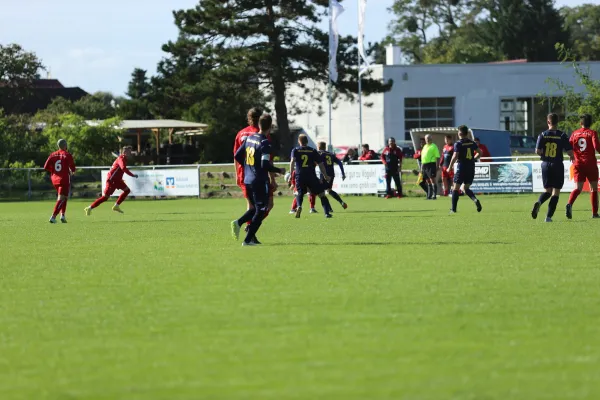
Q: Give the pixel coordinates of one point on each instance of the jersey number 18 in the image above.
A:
(551, 149)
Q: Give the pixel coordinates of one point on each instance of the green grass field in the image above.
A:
(390, 299)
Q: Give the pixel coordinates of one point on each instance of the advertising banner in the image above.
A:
(360, 179)
(509, 177)
(161, 182)
(569, 185)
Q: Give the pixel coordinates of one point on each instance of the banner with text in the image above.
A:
(538, 185)
(161, 182)
(507, 177)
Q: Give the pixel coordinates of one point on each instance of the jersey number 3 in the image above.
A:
(551, 149)
(328, 158)
(250, 156)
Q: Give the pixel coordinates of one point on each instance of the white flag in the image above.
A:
(336, 9)
(362, 7)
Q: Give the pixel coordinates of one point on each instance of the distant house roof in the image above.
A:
(41, 93)
(161, 124)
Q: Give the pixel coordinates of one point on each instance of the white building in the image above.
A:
(488, 96)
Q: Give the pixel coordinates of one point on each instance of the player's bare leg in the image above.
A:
(121, 199)
(541, 200)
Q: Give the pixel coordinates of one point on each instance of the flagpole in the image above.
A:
(330, 145)
(360, 118)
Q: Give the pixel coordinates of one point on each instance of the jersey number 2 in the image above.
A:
(551, 149)
(304, 161)
(250, 156)
(58, 165)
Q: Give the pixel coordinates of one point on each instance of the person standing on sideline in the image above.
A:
(585, 145)
(392, 159)
(447, 175)
(61, 166)
(485, 153)
(550, 147)
(430, 154)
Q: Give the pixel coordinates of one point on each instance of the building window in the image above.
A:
(429, 112)
(527, 115)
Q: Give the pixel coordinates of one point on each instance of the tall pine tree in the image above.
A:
(272, 43)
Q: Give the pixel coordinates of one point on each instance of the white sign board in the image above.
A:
(360, 179)
(161, 182)
(538, 185)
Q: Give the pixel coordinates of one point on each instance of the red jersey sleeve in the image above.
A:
(123, 166)
(48, 164)
(383, 156)
(595, 141)
(72, 167)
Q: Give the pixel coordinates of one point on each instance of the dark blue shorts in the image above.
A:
(464, 175)
(553, 175)
(327, 185)
(311, 184)
(258, 194)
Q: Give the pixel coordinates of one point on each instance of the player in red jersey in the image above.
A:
(585, 145)
(447, 175)
(61, 166)
(114, 181)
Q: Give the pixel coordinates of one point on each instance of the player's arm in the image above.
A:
(240, 155)
(124, 168)
(539, 146)
(72, 166)
(47, 164)
(567, 146)
(341, 165)
(453, 160)
(383, 157)
(323, 171)
(595, 141)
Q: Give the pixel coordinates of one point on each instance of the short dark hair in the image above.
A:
(366, 146)
(553, 118)
(448, 136)
(265, 122)
(421, 139)
(586, 120)
(463, 129)
(322, 145)
(303, 139)
(392, 138)
(254, 116)
(477, 139)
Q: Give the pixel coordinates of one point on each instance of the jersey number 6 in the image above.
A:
(58, 165)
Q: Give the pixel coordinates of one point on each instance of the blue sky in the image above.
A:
(97, 44)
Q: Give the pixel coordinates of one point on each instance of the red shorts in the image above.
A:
(589, 172)
(112, 186)
(62, 189)
(447, 174)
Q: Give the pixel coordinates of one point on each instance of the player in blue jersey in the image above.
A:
(465, 153)
(255, 155)
(303, 161)
(550, 147)
(328, 159)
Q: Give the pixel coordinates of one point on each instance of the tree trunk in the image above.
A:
(283, 126)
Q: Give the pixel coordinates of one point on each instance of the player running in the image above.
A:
(328, 159)
(252, 128)
(61, 166)
(585, 145)
(303, 161)
(114, 181)
(550, 146)
(465, 153)
(391, 157)
(255, 155)
(447, 174)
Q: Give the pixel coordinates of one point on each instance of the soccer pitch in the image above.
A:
(390, 299)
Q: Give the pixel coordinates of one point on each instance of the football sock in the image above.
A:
(552, 206)
(336, 196)
(299, 198)
(57, 207)
(471, 195)
(63, 209)
(246, 217)
(311, 200)
(543, 197)
(294, 203)
(325, 204)
(122, 197)
(98, 201)
(455, 197)
(429, 191)
(257, 217)
(399, 189)
(435, 190)
(573, 196)
(594, 198)
(424, 187)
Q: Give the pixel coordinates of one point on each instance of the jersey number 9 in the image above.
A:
(551, 149)
(250, 156)
(582, 143)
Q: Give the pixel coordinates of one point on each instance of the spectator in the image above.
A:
(350, 156)
(483, 150)
(417, 156)
(367, 154)
(430, 154)
(392, 159)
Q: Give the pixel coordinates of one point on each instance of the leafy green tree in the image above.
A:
(18, 69)
(20, 141)
(583, 24)
(138, 91)
(267, 43)
(579, 99)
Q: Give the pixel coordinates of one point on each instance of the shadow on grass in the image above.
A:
(382, 243)
(388, 211)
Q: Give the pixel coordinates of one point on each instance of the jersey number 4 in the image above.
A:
(469, 154)
(551, 149)
(250, 156)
